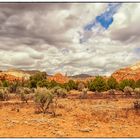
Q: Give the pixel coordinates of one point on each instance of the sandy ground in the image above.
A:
(75, 118)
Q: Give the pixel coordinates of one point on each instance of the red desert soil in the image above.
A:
(75, 118)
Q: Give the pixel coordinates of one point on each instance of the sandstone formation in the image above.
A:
(59, 78)
(17, 73)
(132, 72)
(14, 75)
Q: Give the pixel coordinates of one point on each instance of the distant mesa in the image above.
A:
(14, 70)
(81, 76)
(130, 72)
(17, 73)
(14, 74)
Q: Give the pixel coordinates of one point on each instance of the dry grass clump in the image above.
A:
(59, 92)
(137, 93)
(83, 94)
(128, 91)
(137, 104)
(25, 94)
(4, 96)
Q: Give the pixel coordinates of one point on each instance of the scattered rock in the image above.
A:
(113, 131)
(9, 126)
(59, 133)
(85, 130)
(14, 121)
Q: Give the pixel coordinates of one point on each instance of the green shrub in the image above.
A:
(39, 76)
(72, 85)
(37, 79)
(66, 86)
(112, 83)
(126, 82)
(5, 83)
(138, 84)
(98, 84)
(53, 84)
(32, 84)
(43, 83)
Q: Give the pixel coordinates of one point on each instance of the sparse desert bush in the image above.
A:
(136, 104)
(62, 93)
(27, 90)
(24, 89)
(13, 87)
(56, 88)
(128, 91)
(81, 86)
(98, 94)
(83, 94)
(43, 99)
(137, 92)
(18, 90)
(24, 97)
(111, 93)
(32, 90)
(59, 92)
(4, 94)
(25, 94)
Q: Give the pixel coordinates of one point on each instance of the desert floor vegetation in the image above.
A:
(42, 108)
(44, 116)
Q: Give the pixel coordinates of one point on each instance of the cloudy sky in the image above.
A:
(76, 38)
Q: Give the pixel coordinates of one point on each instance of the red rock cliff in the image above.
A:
(132, 72)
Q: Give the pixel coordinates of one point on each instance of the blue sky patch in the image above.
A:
(104, 20)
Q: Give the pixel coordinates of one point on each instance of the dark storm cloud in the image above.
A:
(35, 6)
(130, 33)
(32, 21)
(45, 36)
